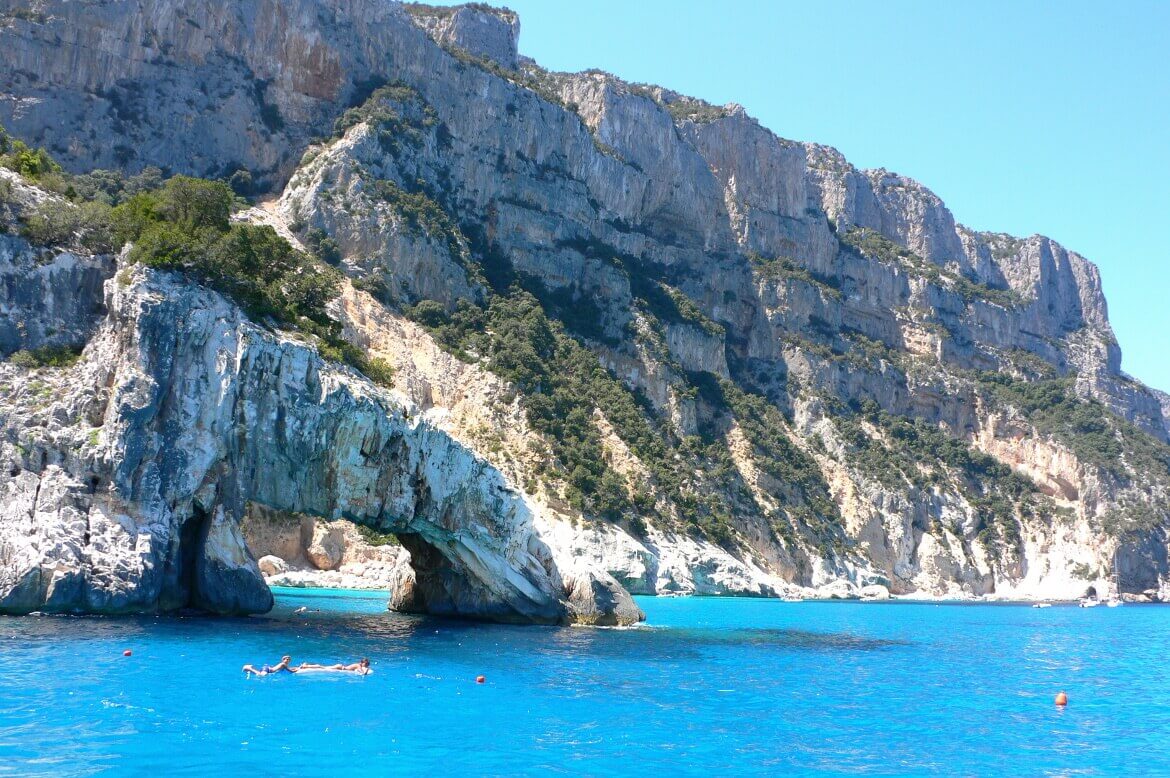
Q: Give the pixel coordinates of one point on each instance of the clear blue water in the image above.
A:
(709, 685)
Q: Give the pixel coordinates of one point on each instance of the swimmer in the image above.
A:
(280, 667)
(357, 668)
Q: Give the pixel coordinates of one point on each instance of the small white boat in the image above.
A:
(1042, 605)
(1089, 603)
(1114, 603)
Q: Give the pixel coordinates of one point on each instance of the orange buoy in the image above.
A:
(479, 679)
(1062, 699)
(126, 652)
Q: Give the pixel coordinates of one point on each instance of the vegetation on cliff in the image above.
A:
(561, 384)
(872, 244)
(1087, 428)
(543, 341)
(45, 356)
(184, 224)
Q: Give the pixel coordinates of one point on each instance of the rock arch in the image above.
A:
(206, 412)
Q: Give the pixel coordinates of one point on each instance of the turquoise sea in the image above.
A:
(708, 685)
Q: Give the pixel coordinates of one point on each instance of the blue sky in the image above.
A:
(1024, 116)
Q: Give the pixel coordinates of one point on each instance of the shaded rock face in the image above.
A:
(48, 298)
(202, 87)
(197, 413)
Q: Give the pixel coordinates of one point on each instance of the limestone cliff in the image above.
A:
(814, 377)
(127, 474)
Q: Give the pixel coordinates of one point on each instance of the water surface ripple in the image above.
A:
(758, 686)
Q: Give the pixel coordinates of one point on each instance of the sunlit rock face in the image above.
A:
(186, 413)
(778, 268)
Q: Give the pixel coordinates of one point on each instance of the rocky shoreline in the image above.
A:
(302, 552)
(357, 581)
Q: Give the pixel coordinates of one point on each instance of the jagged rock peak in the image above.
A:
(477, 28)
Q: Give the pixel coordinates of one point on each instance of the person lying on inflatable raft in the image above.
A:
(357, 668)
(280, 667)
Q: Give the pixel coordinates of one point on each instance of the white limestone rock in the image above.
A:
(192, 429)
(326, 550)
(271, 565)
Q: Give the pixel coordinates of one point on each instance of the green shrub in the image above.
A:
(663, 301)
(323, 246)
(96, 230)
(109, 187)
(786, 268)
(911, 452)
(187, 205)
(53, 223)
(421, 213)
(1130, 522)
(375, 538)
(29, 162)
(251, 264)
(695, 110)
(376, 287)
(686, 310)
(242, 183)
(185, 226)
(380, 113)
(379, 371)
(25, 14)
(46, 356)
(195, 203)
(169, 247)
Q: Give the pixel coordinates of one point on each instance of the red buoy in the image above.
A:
(479, 679)
(126, 652)
(1062, 699)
